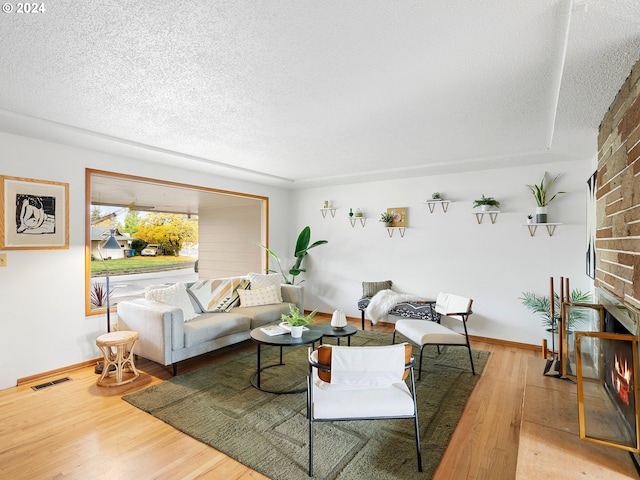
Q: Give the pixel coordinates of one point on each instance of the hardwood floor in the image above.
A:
(78, 430)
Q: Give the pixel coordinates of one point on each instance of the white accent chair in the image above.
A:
(361, 383)
(426, 332)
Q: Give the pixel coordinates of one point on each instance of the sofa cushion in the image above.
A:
(218, 294)
(260, 296)
(263, 314)
(208, 327)
(175, 295)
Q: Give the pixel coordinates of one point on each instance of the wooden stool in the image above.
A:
(117, 348)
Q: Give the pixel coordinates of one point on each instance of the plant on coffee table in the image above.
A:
(297, 318)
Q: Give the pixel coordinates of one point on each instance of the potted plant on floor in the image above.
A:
(486, 203)
(540, 305)
(303, 245)
(297, 320)
(540, 194)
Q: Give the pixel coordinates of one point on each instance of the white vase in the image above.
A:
(338, 320)
(296, 331)
(541, 214)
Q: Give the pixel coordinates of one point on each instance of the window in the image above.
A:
(230, 225)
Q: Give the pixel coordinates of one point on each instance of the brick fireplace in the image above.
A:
(607, 356)
(617, 243)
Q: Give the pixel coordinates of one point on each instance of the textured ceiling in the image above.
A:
(299, 93)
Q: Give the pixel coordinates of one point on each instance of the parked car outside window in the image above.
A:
(152, 250)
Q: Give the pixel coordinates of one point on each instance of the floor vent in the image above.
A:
(51, 383)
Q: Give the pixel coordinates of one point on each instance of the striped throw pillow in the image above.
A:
(218, 295)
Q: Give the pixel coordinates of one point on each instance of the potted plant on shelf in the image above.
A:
(540, 194)
(436, 196)
(529, 219)
(297, 320)
(486, 203)
(386, 218)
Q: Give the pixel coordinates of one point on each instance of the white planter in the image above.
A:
(296, 332)
(541, 214)
(485, 208)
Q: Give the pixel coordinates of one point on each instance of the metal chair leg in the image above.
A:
(420, 367)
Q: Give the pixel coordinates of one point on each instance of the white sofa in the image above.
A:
(166, 338)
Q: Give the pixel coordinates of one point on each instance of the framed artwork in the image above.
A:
(399, 216)
(34, 215)
(591, 226)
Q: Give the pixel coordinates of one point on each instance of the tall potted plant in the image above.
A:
(302, 247)
(541, 195)
(542, 306)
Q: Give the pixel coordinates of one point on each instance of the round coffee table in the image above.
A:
(310, 336)
(338, 333)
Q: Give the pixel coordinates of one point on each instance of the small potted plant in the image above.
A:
(486, 203)
(297, 320)
(436, 196)
(529, 219)
(386, 218)
(540, 193)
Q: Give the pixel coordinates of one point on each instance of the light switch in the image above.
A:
(3, 259)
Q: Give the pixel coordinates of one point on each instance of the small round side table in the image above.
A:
(117, 349)
(329, 331)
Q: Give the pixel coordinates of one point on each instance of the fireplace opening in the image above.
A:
(619, 371)
(607, 368)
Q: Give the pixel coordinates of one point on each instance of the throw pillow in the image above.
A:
(260, 296)
(259, 280)
(369, 289)
(218, 295)
(175, 295)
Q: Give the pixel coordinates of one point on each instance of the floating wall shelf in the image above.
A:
(432, 204)
(493, 214)
(391, 229)
(551, 227)
(325, 210)
(353, 220)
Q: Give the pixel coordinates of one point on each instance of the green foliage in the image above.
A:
(541, 191)
(137, 244)
(296, 318)
(131, 222)
(169, 230)
(542, 306)
(386, 217)
(492, 202)
(301, 251)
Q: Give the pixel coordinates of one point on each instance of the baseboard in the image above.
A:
(506, 343)
(58, 371)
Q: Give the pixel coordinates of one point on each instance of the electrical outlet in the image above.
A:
(3, 259)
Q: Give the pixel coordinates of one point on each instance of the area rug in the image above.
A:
(217, 405)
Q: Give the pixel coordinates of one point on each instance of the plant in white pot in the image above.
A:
(541, 195)
(297, 320)
(486, 203)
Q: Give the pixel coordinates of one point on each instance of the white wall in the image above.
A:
(43, 326)
(42, 313)
(491, 263)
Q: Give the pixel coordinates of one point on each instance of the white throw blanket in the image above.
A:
(385, 300)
